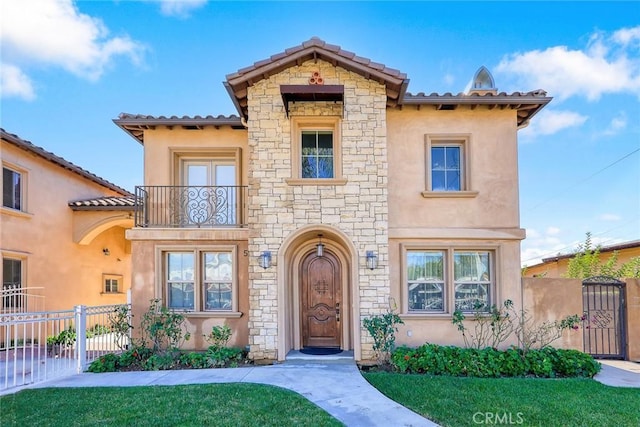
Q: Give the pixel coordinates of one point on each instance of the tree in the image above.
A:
(586, 263)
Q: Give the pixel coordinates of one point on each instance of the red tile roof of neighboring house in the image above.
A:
(41, 152)
(104, 203)
(603, 249)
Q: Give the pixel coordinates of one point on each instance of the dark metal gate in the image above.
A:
(604, 332)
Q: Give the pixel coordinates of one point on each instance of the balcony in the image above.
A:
(190, 206)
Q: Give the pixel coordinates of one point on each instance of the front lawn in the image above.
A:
(189, 405)
(455, 401)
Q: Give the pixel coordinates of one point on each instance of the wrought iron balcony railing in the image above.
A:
(190, 206)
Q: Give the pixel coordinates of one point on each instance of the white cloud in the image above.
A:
(617, 124)
(552, 231)
(55, 33)
(180, 8)
(608, 64)
(14, 83)
(549, 122)
(609, 217)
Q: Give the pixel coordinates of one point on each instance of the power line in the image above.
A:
(583, 180)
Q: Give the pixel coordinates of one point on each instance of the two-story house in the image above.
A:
(62, 232)
(333, 196)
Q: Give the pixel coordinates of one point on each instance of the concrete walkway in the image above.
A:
(335, 386)
(619, 373)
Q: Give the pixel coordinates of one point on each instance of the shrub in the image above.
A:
(489, 362)
(219, 336)
(382, 329)
(163, 328)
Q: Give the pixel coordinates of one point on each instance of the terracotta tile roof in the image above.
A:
(604, 249)
(41, 152)
(105, 203)
(527, 104)
(237, 83)
(135, 124)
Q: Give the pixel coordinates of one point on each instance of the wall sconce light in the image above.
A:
(265, 259)
(372, 260)
(106, 251)
(319, 246)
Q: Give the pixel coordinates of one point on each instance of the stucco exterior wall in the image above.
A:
(633, 319)
(147, 284)
(43, 236)
(163, 144)
(492, 165)
(358, 208)
(548, 299)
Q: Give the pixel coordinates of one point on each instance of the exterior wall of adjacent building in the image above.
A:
(486, 218)
(558, 268)
(42, 236)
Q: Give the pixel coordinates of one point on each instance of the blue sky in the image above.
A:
(68, 68)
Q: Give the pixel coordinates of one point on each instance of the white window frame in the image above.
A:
(162, 288)
(463, 142)
(450, 281)
(315, 123)
(110, 278)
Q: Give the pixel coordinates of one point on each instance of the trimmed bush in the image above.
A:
(492, 363)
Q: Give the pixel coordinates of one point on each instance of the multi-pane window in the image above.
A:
(11, 283)
(446, 169)
(425, 274)
(112, 283)
(317, 154)
(448, 279)
(199, 280)
(209, 193)
(11, 189)
(447, 166)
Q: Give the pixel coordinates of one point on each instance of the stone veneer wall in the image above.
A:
(275, 209)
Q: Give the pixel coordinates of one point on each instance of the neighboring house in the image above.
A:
(62, 232)
(557, 266)
(334, 196)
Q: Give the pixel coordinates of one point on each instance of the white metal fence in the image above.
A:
(16, 299)
(37, 346)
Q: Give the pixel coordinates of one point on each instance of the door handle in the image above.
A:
(337, 312)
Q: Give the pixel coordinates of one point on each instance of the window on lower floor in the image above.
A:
(200, 280)
(12, 188)
(112, 283)
(12, 293)
(444, 280)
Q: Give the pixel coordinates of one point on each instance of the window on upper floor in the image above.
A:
(447, 166)
(12, 189)
(12, 283)
(316, 157)
(200, 279)
(443, 280)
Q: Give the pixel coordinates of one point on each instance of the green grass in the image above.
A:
(189, 405)
(454, 401)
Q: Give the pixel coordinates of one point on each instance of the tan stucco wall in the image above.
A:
(548, 299)
(147, 282)
(161, 144)
(43, 236)
(493, 165)
(633, 319)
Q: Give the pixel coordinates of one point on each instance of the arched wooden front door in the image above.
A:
(321, 300)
